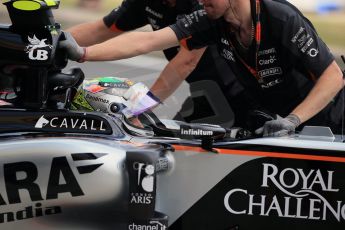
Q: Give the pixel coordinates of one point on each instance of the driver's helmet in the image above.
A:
(114, 95)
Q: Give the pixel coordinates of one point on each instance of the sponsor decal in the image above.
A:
(291, 192)
(271, 60)
(141, 198)
(304, 42)
(77, 123)
(61, 180)
(153, 12)
(271, 83)
(296, 36)
(227, 54)
(313, 52)
(196, 132)
(145, 182)
(107, 83)
(193, 17)
(224, 41)
(114, 82)
(270, 72)
(29, 212)
(97, 99)
(267, 51)
(41, 122)
(250, 196)
(307, 45)
(35, 49)
(152, 225)
(265, 83)
(162, 165)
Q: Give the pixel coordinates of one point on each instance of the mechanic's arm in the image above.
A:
(91, 33)
(131, 44)
(328, 85)
(325, 89)
(135, 43)
(176, 71)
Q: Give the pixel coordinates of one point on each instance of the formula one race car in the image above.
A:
(113, 166)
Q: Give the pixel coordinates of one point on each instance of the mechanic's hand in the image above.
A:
(74, 51)
(280, 126)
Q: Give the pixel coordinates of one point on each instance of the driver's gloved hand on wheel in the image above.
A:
(280, 126)
(74, 51)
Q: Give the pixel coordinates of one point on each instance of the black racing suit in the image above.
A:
(211, 77)
(286, 63)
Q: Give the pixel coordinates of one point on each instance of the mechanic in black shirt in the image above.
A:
(272, 49)
(133, 14)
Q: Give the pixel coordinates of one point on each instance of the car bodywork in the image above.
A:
(54, 179)
(62, 169)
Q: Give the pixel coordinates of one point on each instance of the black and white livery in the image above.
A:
(64, 169)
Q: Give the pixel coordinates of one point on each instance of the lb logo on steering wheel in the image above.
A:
(35, 49)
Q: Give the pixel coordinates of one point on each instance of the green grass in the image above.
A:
(110, 4)
(106, 5)
(331, 28)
